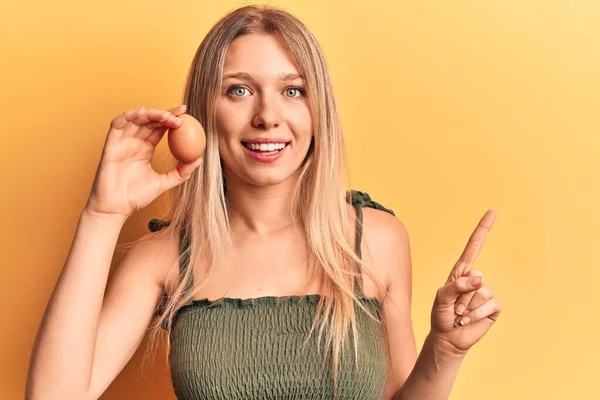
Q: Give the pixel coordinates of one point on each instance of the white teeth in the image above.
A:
(265, 146)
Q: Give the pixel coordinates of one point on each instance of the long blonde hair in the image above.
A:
(319, 205)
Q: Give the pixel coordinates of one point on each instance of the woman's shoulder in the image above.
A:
(374, 214)
(381, 226)
(385, 238)
(160, 247)
(371, 210)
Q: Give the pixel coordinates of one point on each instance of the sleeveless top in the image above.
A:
(249, 349)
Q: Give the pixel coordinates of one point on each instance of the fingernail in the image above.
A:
(460, 309)
(476, 280)
(465, 320)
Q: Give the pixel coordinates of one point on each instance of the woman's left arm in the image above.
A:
(433, 373)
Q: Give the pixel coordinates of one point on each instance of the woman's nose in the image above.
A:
(268, 113)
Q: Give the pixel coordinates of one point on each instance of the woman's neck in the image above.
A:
(259, 209)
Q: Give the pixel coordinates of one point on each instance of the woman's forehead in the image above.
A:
(259, 57)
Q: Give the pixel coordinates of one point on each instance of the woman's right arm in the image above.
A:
(87, 336)
(81, 345)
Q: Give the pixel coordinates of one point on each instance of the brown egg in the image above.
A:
(187, 143)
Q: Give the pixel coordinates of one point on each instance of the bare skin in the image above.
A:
(270, 255)
(106, 329)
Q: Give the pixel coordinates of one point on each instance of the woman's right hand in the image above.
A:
(125, 180)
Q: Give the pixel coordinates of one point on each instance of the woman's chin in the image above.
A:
(271, 178)
(269, 181)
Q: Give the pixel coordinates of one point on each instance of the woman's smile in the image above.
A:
(265, 150)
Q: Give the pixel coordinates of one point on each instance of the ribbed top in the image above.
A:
(253, 349)
(260, 348)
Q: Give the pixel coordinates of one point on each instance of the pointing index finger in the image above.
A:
(476, 241)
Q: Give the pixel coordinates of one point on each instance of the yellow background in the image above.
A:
(449, 107)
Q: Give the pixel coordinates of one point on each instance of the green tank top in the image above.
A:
(250, 349)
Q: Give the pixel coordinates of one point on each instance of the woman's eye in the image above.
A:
(300, 91)
(237, 90)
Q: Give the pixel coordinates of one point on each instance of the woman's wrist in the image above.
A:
(115, 219)
(444, 352)
(435, 371)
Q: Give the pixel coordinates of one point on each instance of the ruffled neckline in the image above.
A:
(268, 301)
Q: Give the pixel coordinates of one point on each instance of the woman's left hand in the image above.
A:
(464, 310)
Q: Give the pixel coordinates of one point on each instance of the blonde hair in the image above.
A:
(319, 205)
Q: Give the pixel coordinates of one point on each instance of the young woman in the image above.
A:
(270, 278)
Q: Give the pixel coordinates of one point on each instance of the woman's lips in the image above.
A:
(265, 158)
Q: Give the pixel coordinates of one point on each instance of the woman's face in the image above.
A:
(263, 117)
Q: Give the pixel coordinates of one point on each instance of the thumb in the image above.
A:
(179, 174)
(447, 294)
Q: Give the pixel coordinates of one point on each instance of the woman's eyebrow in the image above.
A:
(246, 76)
